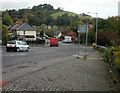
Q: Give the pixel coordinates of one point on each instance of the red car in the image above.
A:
(53, 42)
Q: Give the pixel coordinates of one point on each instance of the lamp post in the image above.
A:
(96, 25)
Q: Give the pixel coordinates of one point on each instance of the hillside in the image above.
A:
(44, 14)
(60, 13)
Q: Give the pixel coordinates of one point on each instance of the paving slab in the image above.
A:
(68, 75)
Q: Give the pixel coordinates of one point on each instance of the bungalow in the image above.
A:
(70, 33)
(57, 34)
(24, 31)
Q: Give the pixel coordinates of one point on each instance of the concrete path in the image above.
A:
(71, 74)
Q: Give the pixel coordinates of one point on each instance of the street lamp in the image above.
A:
(96, 25)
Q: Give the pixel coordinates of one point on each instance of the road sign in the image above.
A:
(83, 28)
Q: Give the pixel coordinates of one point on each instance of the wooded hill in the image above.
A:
(44, 14)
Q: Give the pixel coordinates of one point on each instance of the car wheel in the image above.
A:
(18, 50)
(7, 50)
(27, 50)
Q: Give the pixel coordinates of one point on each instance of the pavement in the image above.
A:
(71, 74)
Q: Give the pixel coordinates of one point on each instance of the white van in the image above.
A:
(67, 39)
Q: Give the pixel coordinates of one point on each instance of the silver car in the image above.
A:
(17, 46)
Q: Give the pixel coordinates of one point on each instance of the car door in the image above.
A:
(24, 47)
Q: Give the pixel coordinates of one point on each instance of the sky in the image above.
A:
(104, 8)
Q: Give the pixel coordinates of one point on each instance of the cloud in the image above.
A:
(104, 8)
(14, 5)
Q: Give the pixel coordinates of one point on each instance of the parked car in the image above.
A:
(53, 42)
(17, 46)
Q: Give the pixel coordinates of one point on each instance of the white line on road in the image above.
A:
(87, 57)
(22, 54)
(16, 55)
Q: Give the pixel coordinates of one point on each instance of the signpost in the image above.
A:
(83, 29)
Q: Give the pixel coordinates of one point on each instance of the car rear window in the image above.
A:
(19, 43)
(23, 43)
(11, 42)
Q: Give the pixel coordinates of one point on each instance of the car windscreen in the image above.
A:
(11, 42)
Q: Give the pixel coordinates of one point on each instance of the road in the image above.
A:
(18, 64)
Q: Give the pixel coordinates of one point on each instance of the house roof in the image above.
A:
(67, 31)
(25, 27)
(57, 32)
(15, 26)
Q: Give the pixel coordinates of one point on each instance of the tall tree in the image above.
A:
(74, 26)
(7, 20)
(5, 34)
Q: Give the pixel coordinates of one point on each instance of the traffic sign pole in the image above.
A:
(82, 29)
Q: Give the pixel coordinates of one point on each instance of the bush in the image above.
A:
(117, 61)
(112, 56)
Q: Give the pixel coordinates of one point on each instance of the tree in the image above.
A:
(25, 19)
(7, 20)
(5, 34)
(74, 26)
(43, 7)
(111, 24)
(33, 20)
(0, 30)
(118, 30)
(63, 20)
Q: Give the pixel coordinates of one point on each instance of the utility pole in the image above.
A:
(96, 33)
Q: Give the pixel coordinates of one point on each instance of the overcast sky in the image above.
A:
(104, 8)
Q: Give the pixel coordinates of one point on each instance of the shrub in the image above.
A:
(112, 56)
(117, 61)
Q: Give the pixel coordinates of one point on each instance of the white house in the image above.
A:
(24, 31)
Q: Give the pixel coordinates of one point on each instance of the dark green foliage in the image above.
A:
(74, 25)
(63, 20)
(34, 21)
(7, 20)
(91, 37)
(5, 34)
(43, 7)
(42, 33)
(111, 24)
(41, 14)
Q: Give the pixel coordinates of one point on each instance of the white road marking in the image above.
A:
(77, 56)
(87, 57)
(15, 55)
(22, 54)
(11, 55)
(94, 58)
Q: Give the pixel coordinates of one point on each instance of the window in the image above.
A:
(23, 43)
(19, 43)
(11, 42)
(24, 32)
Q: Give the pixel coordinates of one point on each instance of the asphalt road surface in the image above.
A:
(18, 64)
